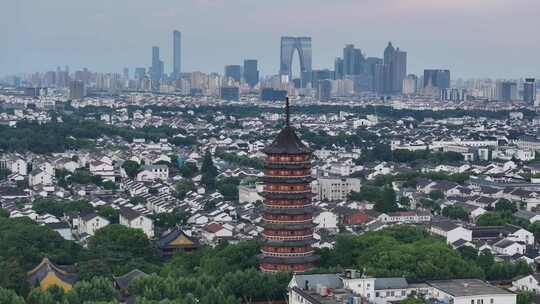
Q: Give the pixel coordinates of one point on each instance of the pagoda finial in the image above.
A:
(287, 112)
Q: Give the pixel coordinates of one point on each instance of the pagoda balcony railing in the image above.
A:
(288, 206)
(288, 191)
(288, 176)
(285, 162)
(288, 238)
(295, 254)
(288, 222)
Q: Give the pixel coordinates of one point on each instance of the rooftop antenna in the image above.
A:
(287, 113)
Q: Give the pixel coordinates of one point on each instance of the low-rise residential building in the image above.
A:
(153, 172)
(89, 223)
(336, 188)
(136, 220)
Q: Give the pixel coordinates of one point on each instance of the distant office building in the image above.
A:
(324, 90)
(270, 94)
(529, 91)
(338, 68)
(437, 78)
(234, 72)
(251, 72)
(353, 60)
(506, 91)
(399, 70)
(125, 73)
(157, 68)
(35, 91)
(177, 54)
(303, 46)
(410, 85)
(76, 90)
(140, 73)
(394, 69)
(453, 94)
(230, 93)
(318, 75)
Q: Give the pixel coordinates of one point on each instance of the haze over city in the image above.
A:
(269, 152)
(479, 38)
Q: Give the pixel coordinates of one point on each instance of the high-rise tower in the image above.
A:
(177, 47)
(251, 72)
(303, 46)
(287, 237)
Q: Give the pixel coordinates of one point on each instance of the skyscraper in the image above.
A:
(287, 237)
(353, 60)
(410, 85)
(76, 90)
(177, 53)
(324, 90)
(338, 68)
(157, 68)
(507, 91)
(437, 78)
(251, 72)
(234, 72)
(529, 91)
(399, 70)
(395, 69)
(303, 46)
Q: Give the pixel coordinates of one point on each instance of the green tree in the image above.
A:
(228, 187)
(456, 212)
(38, 296)
(178, 217)
(490, 219)
(122, 249)
(535, 229)
(387, 201)
(436, 195)
(504, 205)
(4, 213)
(12, 275)
(208, 164)
(183, 187)
(10, 297)
(108, 212)
(525, 297)
(188, 170)
(131, 168)
(97, 289)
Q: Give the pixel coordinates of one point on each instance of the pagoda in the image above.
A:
(287, 237)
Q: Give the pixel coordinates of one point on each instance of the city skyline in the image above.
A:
(483, 41)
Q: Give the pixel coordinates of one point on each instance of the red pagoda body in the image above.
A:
(287, 237)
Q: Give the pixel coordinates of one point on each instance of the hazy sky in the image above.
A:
(474, 38)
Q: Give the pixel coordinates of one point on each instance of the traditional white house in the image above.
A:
(518, 234)
(103, 169)
(509, 247)
(89, 223)
(450, 231)
(153, 172)
(528, 215)
(469, 291)
(136, 220)
(351, 287)
(405, 217)
(211, 233)
(529, 282)
(39, 177)
(14, 164)
(327, 220)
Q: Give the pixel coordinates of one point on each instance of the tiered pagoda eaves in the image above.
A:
(288, 210)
